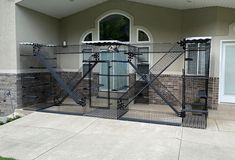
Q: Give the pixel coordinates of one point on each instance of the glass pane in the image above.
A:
(192, 54)
(229, 85)
(202, 60)
(142, 36)
(104, 71)
(115, 27)
(144, 58)
(120, 82)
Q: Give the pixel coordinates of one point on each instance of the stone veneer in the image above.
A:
(35, 88)
(213, 94)
(83, 87)
(22, 85)
(8, 83)
(174, 85)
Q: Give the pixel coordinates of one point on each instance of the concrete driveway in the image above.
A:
(44, 136)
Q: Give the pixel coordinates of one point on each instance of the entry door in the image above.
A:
(227, 83)
(118, 79)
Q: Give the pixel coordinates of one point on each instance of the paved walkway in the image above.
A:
(43, 136)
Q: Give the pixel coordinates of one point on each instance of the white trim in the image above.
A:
(149, 59)
(23, 71)
(172, 73)
(81, 49)
(197, 38)
(146, 31)
(198, 56)
(10, 71)
(223, 99)
(104, 42)
(67, 70)
(86, 34)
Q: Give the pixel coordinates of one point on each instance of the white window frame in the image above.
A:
(137, 63)
(115, 12)
(139, 29)
(222, 97)
(198, 54)
(82, 56)
(86, 34)
(85, 63)
(198, 62)
(142, 46)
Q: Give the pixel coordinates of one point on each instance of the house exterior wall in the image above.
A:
(32, 26)
(165, 25)
(17, 25)
(204, 22)
(8, 58)
(213, 22)
(199, 22)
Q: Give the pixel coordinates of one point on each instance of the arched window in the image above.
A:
(86, 54)
(142, 36)
(143, 63)
(115, 27)
(88, 37)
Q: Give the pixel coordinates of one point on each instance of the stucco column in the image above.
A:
(8, 57)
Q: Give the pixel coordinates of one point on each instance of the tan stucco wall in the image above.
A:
(164, 24)
(225, 31)
(199, 22)
(32, 26)
(8, 62)
(213, 22)
(216, 52)
(225, 17)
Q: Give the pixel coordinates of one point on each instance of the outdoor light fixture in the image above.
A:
(64, 44)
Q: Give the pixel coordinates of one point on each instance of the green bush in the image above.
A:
(10, 120)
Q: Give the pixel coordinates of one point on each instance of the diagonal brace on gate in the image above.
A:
(150, 83)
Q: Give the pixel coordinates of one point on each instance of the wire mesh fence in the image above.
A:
(110, 76)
